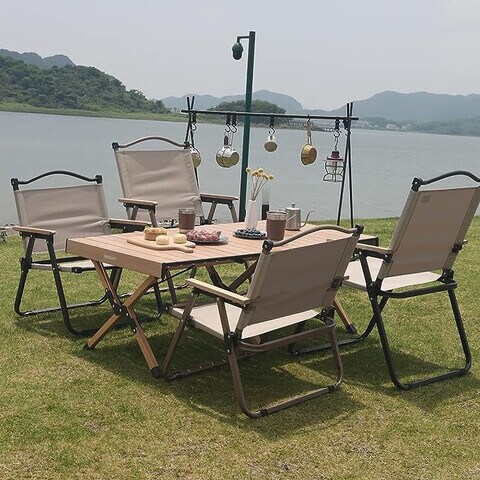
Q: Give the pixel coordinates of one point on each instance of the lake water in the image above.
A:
(384, 163)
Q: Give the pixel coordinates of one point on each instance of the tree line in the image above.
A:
(87, 88)
(72, 87)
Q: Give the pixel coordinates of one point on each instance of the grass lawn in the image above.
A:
(67, 413)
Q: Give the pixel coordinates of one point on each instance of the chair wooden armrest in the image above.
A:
(219, 198)
(215, 199)
(131, 225)
(139, 202)
(32, 230)
(233, 297)
(373, 249)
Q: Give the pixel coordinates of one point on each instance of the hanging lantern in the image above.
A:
(334, 164)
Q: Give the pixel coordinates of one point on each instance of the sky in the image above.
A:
(323, 53)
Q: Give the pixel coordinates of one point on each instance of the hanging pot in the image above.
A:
(309, 152)
(196, 157)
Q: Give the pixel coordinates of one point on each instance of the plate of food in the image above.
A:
(206, 237)
(250, 233)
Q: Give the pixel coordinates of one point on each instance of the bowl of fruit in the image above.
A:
(250, 233)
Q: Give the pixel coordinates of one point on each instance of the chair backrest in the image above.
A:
(165, 176)
(432, 226)
(291, 279)
(72, 211)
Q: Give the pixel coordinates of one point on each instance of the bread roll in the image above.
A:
(162, 240)
(179, 238)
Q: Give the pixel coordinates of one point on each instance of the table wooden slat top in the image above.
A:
(115, 250)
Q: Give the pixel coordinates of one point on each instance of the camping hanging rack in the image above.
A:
(346, 120)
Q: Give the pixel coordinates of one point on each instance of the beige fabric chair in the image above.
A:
(288, 283)
(156, 183)
(47, 216)
(429, 234)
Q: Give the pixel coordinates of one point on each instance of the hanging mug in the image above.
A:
(271, 144)
(227, 156)
(309, 152)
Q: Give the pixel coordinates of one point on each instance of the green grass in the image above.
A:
(67, 413)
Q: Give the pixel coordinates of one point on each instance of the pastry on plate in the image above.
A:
(151, 233)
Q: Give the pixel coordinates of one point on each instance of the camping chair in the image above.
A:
(47, 216)
(159, 182)
(287, 284)
(429, 234)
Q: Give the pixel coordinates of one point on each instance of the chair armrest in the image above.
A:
(138, 202)
(373, 249)
(33, 230)
(218, 198)
(219, 292)
(130, 225)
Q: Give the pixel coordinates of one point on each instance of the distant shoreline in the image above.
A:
(172, 117)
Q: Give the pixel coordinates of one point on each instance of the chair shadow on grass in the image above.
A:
(267, 377)
(365, 367)
(51, 324)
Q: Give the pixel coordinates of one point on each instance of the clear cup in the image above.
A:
(186, 219)
(276, 222)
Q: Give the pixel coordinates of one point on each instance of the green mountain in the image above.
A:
(69, 86)
(204, 102)
(415, 107)
(32, 58)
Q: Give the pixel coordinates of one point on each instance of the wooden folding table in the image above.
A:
(157, 265)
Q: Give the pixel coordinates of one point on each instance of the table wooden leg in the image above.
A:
(127, 310)
(342, 314)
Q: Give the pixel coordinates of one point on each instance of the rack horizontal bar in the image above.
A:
(270, 115)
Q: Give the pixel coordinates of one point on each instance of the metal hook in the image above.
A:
(272, 125)
(227, 125)
(336, 134)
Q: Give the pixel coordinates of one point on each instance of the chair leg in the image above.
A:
(240, 392)
(233, 212)
(425, 381)
(26, 263)
(176, 337)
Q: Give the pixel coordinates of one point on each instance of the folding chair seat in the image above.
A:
(430, 232)
(156, 183)
(47, 215)
(288, 284)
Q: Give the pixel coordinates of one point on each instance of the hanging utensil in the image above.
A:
(309, 152)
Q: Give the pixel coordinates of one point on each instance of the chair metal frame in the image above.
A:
(236, 347)
(58, 264)
(379, 296)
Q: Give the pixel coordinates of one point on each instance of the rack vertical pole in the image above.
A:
(246, 126)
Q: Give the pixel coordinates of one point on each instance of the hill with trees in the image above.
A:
(32, 58)
(258, 106)
(69, 87)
